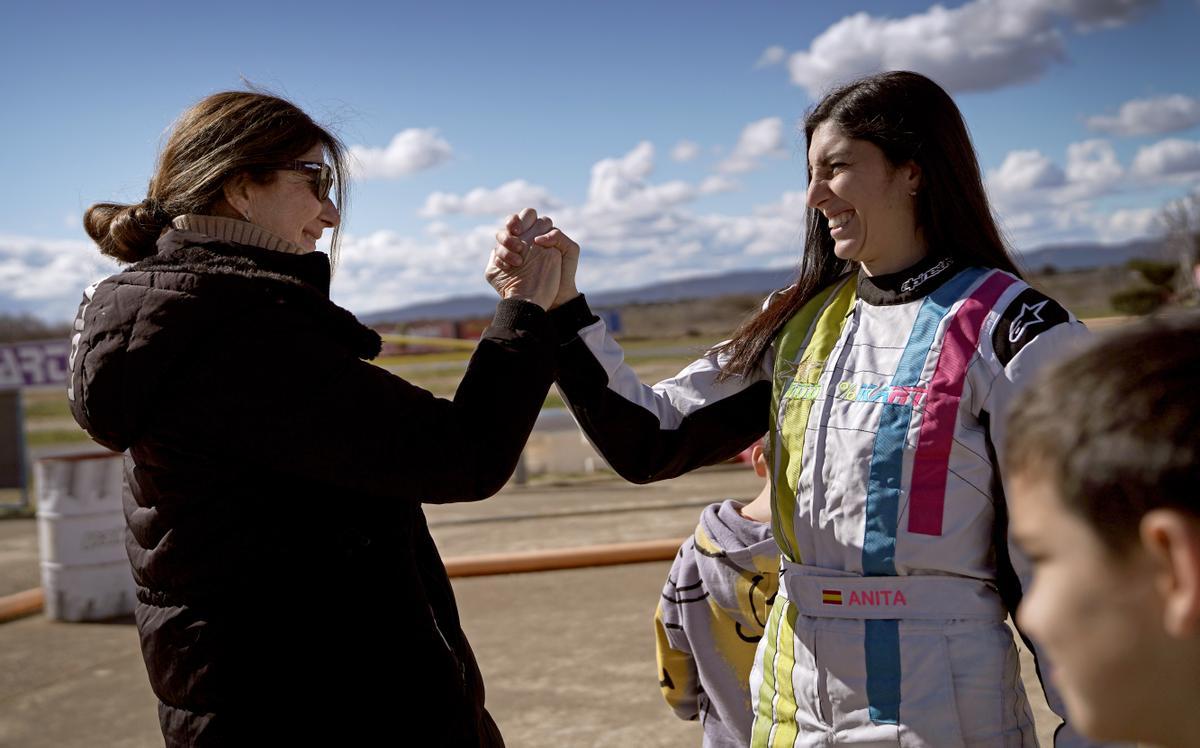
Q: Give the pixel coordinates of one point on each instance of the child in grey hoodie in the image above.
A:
(712, 613)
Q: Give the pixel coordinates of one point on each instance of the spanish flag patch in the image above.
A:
(831, 597)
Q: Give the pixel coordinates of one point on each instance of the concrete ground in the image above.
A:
(568, 656)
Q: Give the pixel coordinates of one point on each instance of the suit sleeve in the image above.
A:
(1031, 332)
(650, 433)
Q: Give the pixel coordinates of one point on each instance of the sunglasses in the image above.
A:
(322, 175)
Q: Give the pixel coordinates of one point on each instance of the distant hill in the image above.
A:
(1085, 255)
(1063, 257)
(702, 287)
(458, 307)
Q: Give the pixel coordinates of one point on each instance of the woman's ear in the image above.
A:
(1172, 540)
(236, 191)
(911, 172)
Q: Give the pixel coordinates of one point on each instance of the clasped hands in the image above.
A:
(533, 261)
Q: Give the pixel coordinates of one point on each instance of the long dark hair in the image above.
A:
(215, 140)
(910, 118)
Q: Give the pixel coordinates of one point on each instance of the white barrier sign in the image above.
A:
(34, 364)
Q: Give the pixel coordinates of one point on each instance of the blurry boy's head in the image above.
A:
(1103, 461)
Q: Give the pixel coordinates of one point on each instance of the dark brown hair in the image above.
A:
(220, 137)
(910, 118)
(1116, 428)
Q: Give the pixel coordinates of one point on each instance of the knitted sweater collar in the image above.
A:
(237, 232)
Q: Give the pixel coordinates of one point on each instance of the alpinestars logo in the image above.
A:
(1030, 315)
(917, 280)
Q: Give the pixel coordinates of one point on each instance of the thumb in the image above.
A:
(557, 240)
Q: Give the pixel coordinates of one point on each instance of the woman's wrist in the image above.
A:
(564, 297)
(516, 296)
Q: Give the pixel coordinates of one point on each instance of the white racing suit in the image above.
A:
(884, 402)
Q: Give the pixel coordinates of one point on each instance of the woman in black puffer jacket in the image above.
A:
(288, 589)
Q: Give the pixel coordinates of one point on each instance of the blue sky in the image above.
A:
(662, 135)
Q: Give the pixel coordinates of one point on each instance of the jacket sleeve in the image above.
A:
(678, 678)
(653, 433)
(1030, 333)
(302, 405)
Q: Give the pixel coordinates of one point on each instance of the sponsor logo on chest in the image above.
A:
(861, 392)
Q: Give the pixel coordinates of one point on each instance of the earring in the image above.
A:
(913, 193)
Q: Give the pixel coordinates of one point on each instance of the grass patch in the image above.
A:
(10, 504)
(422, 358)
(47, 437)
(1098, 312)
(698, 342)
(45, 403)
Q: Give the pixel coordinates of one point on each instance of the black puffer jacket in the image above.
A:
(289, 591)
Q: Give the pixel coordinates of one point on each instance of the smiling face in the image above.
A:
(287, 206)
(866, 201)
(1093, 614)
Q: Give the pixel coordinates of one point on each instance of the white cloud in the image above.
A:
(771, 56)
(685, 150)
(1077, 222)
(761, 138)
(1168, 158)
(1090, 15)
(1092, 167)
(438, 228)
(717, 183)
(981, 45)
(669, 193)
(507, 198)
(46, 277)
(409, 151)
(622, 247)
(386, 270)
(1029, 179)
(1025, 170)
(1039, 203)
(634, 230)
(637, 232)
(614, 179)
(1154, 116)
(1128, 223)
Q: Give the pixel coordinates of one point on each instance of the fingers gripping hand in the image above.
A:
(520, 269)
(516, 236)
(569, 249)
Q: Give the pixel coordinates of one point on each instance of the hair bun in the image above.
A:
(150, 211)
(126, 232)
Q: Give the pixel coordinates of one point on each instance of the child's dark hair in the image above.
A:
(1116, 428)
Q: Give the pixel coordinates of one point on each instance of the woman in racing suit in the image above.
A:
(881, 379)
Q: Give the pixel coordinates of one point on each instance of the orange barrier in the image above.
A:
(31, 602)
(563, 558)
(21, 604)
